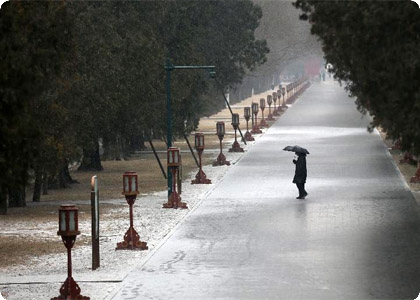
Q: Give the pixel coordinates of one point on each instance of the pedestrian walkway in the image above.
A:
(356, 236)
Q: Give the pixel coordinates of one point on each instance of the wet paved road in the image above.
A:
(356, 236)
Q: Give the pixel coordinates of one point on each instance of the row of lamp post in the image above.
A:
(68, 214)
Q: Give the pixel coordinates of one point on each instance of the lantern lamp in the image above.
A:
(269, 100)
(262, 104)
(220, 128)
(68, 221)
(283, 91)
(254, 108)
(247, 113)
(235, 120)
(130, 184)
(199, 141)
(173, 158)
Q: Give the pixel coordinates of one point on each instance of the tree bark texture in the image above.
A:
(91, 160)
(45, 183)
(3, 201)
(17, 197)
(36, 196)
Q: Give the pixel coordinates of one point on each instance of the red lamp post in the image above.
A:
(235, 123)
(397, 145)
(263, 123)
(221, 159)
(174, 162)
(416, 177)
(283, 93)
(200, 177)
(255, 128)
(130, 191)
(68, 228)
(289, 93)
(247, 116)
(276, 95)
(269, 102)
(407, 159)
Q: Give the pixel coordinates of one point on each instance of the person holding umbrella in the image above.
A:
(300, 172)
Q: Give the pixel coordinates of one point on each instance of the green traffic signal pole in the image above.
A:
(169, 67)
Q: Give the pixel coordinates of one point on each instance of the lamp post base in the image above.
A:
(407, 159)
(263, 123)
(174, 201)
(221, 160)
(249, 137)
(131, 241)
(236, 147)
(256, 130)
(270, 117)
(416, 177)
(70, 290)
(200, 178)
(276, 112)
(397, 145)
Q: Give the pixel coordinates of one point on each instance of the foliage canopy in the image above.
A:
(79, 73)
(374, 47)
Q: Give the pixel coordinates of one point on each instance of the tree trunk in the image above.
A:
(17, 197)
(91, 160)
(45, 183)
(124, 152)
(113, 149)
(107, 149)
(62, 179)
(137, 142)
(66, 174)
(36, 196)
(3, 201)
(118, 148)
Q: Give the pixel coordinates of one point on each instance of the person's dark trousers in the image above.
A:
(301, 188)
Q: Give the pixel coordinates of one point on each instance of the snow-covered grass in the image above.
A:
(41, 277)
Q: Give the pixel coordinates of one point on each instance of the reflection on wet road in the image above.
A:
(356, 236)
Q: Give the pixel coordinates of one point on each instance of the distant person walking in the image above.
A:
(300, 174)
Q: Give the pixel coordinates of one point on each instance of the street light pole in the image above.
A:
(169, 67)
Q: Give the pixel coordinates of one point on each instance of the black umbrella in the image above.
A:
(296, 149)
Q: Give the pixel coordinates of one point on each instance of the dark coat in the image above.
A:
(300, 172)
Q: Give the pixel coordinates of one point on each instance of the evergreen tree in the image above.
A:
(374, 47)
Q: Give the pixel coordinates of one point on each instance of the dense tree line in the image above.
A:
(77, 74)
(290, 43)
(374, 47)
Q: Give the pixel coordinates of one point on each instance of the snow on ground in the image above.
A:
(41, 277)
